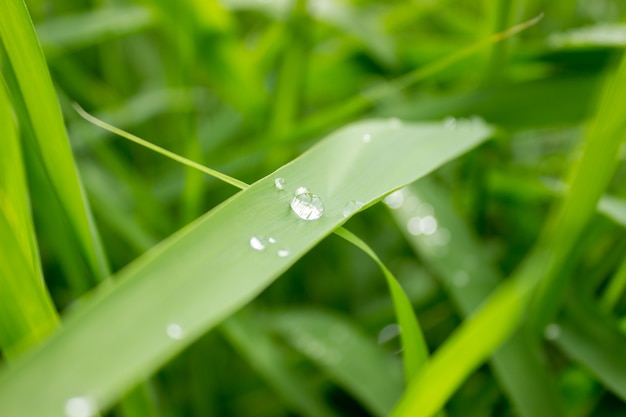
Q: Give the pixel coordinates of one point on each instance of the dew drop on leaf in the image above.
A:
(280, 183)
(351, 207)
(174, 331)
(257, 243)
(80, 407)
(307, 206)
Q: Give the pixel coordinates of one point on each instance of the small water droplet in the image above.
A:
(460, 278)
(449, 123)
(389, 332)
(307, 206)
(257, 243)
(395, 123)
(351, 207)
(552, 331)
(283, 253)
(280, 183)
(174, 331)
(367, 138)
(80, 407)
(395, 199)
(428, 224)
(271, 240)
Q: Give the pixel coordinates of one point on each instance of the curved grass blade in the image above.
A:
(452, 252)
(414, 349)
(187, 284)
(342, 351)
(50, 139)
(501, 314)
(27, 314)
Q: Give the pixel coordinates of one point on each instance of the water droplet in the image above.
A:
(395, 199)
(280, 183)
(389, 332)
(367, 138)
(395, 123)
(174, 331)
(552, 331)
(351, 207)
(283, 253)
(460, 278)
(80, 407)
(428, 225)
(271, 240)
(257, 243)
(449, 123)
(307, 206)
(301, 190)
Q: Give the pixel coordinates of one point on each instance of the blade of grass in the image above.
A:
(414, 349)
(615, 289)
(594, 340)
(501, 314)
(93, 367)
(341, 349)
(27, 314)
(29, 66)
(468, 277)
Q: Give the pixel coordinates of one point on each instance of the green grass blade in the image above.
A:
(27, 314)
(502, 312)
(343, 351)
(263, 354)
(28, 63)
(594, 340)
(414, 349)
(615, 289)
(80, 30)
(206, 271)
(467, 275)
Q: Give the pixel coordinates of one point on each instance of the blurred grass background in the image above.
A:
(244, 86)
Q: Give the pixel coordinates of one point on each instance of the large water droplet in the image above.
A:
(280, 183)
(307, 206)
(174, 331)
(257, 243)
(367, 138)
(80, 407)
(449, 123)
(351, 207)
(552, 331)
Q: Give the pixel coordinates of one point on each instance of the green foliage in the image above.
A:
(494, 135)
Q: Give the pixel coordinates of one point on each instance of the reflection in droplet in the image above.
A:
(351, 207)
(257, 243)
(552, 331)
(460, 278)
(307, 206)
(174, 331)
(367, 138)
(449, 123)
(283, 253)
(80, 407)
(280, 183)
(395, 199)
(301, 190)
(389, 332)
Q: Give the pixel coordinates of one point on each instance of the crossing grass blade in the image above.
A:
(341, 349)
(414, 349)
(501, 314)
(49, 138)
(469, 277)
(27, 314)
(206, 271)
